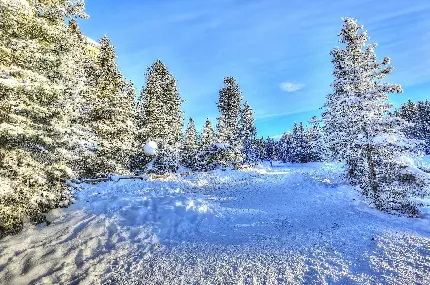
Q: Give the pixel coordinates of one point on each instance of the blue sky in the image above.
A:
(277, 50)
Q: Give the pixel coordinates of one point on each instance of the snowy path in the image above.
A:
(285, 225)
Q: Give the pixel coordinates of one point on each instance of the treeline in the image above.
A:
(418, 117)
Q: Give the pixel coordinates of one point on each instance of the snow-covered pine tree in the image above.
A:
(315, 140)
(359, 130)
(413, 130)
(285, 147)
(248, 133)
(419, 116)
(190, 146)
(270, 149)
(160, 117)
(206, 158)
(408, 111)
(208, 134)
(261, 148)
(34, 153)
(110, 117)
(296, 144)
(422, 122)
(76, 102)
(229, 106)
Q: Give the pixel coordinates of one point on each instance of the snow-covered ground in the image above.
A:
(286, 224)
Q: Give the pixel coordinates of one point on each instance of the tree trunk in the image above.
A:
(372, 178)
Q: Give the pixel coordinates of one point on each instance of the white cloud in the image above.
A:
(291, 87)
(277, 137)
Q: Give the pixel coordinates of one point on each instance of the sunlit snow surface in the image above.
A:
(286, 224)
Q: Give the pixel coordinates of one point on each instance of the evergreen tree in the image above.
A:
(167, 159)
(315, 140)
(159, 115)
(190, 146)
(208, 134)
(358, 127)
(248, 133)
(229, 106)
(270, 149)
(35, 151)
(206, 158)
(422, 124)
(261, 149)
(111, 101)
(418, 115)
(76, 102)
(285, 147)
(299, 147)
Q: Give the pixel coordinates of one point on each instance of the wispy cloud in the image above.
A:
(291, 87)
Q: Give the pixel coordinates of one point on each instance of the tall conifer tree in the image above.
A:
(160, 117)
(110, 117)
(35, 150)
(229, 106)
(190, 146)
(359, 129)
(248, 133)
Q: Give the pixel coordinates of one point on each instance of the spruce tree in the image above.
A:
(35, 151)
(76, 102)
(208, 134)
(285, 147)
(316, 145)
(229, 106)
(359, 130)
(261, 149)
(418, 115)
(422, 124)
(297, 146)
(110, 117)
(270, 149)
(206, 158)
(248, 133)
(160, 117)
(190, 146)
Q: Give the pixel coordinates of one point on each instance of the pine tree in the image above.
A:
(316, 144)
(190, 146)
(285, 147)
(248, 133)
(208, 134)
(35, 154)
(160, 117)
(418, 115)
(270, 149)
(229, 106)
(111, 100)
(75, 102)
(298, 152)
(422, 124)
(359, 130)
(261, 149)
(206, 158)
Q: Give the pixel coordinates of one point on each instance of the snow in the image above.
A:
(150, 148)
(93, 42)
(222, 146)
(289, 223)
